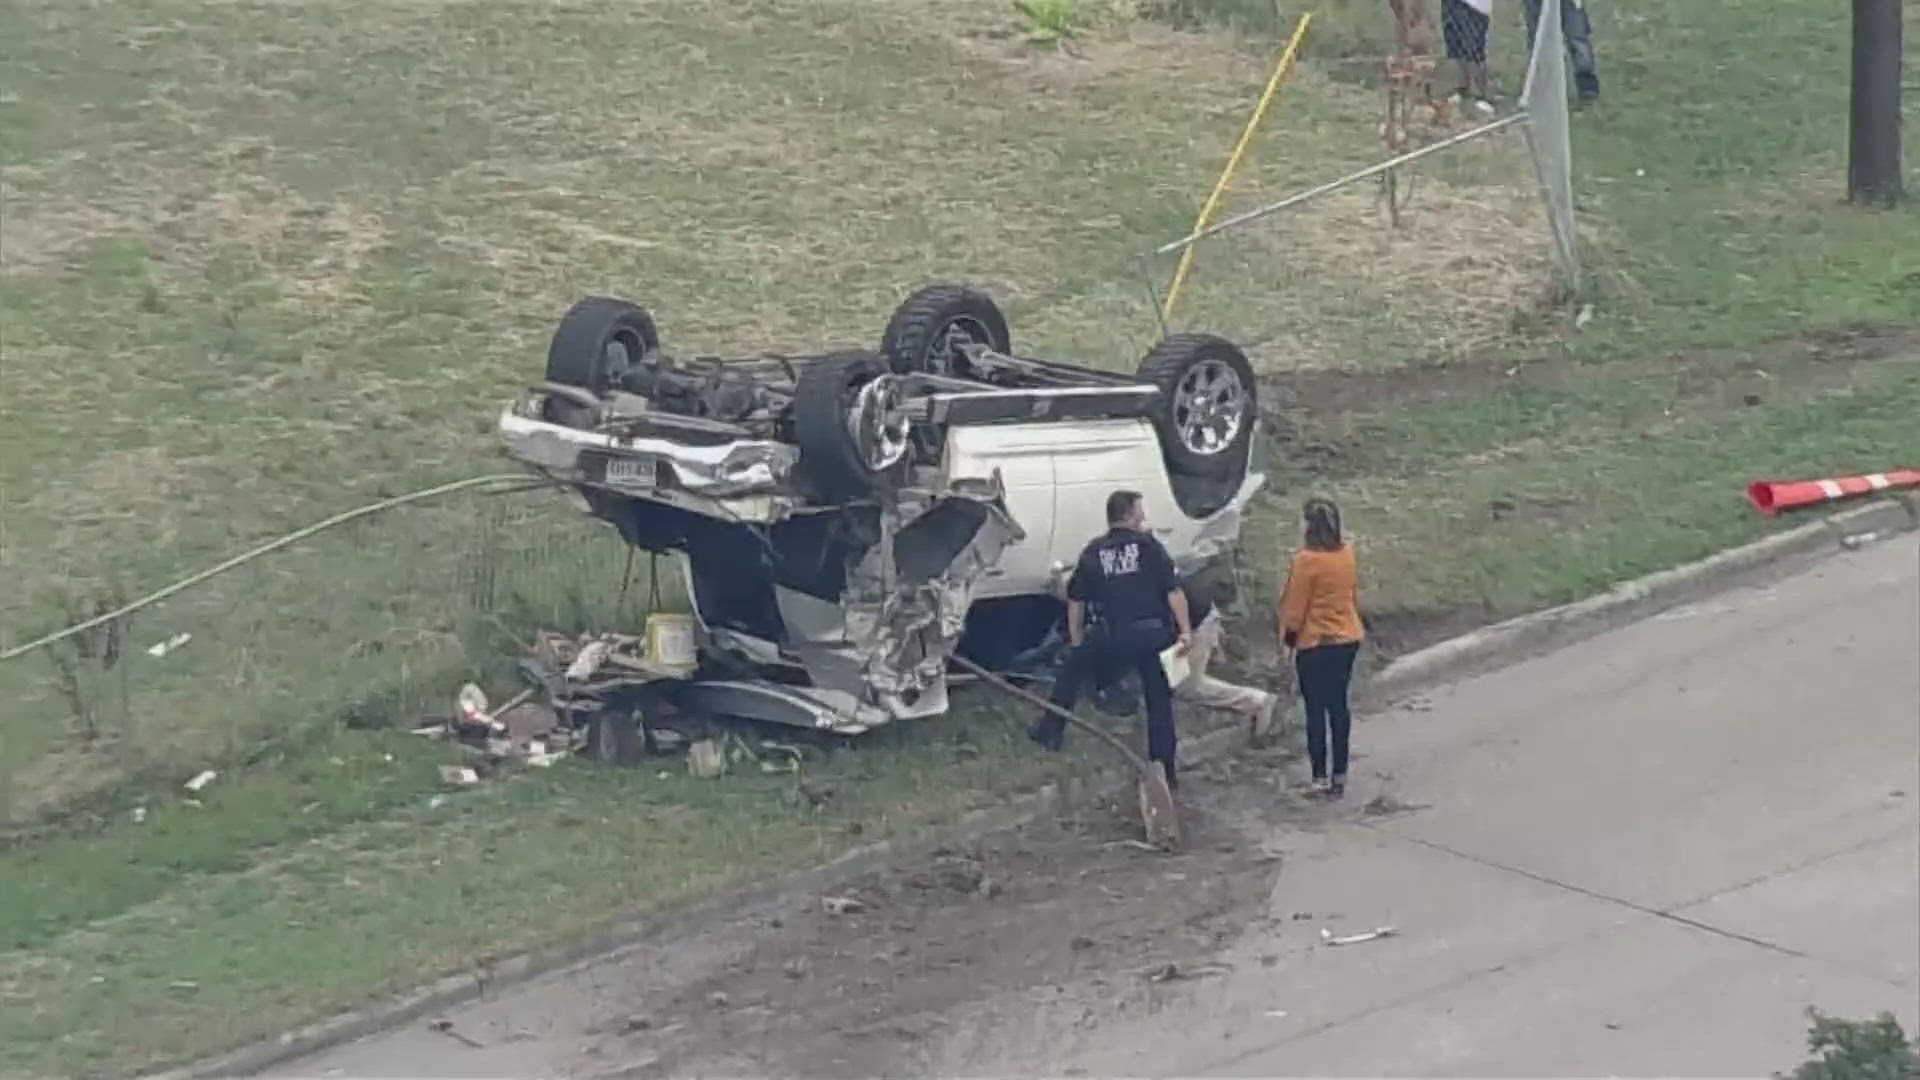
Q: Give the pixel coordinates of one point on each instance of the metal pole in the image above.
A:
(1333, 185)
(1873, 147)
(1239, 151)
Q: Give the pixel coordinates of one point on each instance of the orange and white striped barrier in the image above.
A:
(1774, 496)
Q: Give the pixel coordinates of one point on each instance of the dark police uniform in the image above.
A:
(1123, 578)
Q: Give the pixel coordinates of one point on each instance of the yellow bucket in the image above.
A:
(670, 640)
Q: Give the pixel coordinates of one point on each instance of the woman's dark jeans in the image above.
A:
(1325, 672)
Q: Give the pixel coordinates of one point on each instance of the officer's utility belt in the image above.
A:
(1132, 628)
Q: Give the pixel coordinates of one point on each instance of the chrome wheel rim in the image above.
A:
(1209, 407)
(880, 428)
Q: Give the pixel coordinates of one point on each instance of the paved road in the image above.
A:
(1644, 855)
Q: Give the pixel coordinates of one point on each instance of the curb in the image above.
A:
(1556, 628)
(1493, 646)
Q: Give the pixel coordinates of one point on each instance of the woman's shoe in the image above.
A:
(1338, 788)
(1322, 787)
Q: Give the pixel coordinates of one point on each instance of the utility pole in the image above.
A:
(1873, 145)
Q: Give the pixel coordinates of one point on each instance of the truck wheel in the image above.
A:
(598, 342)
(855, 439)
(928, 328)
(616, 737)
(1207, 405)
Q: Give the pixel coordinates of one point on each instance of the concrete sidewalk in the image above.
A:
(1646, 855)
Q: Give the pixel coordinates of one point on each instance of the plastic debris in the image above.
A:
(842, 905)
(201, 780)
(1327, 936)
(458, 776)
(589, 660)
(162, 648)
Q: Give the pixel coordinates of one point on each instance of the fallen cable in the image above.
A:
(1158, 810)
(270, 546)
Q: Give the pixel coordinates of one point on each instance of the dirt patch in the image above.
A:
(1392, 634)
(865, 982)
(1734, 373)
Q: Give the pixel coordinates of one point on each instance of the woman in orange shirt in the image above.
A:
(1320, 622)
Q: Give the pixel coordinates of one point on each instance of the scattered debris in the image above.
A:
(1276, 1014)
(1172, 972)
(162, 648)
(445, 1027)
(590, 659)
(1137, 845)
(1584, 317)
(705, 760)
(201, 780)
(539, 756)
(1082, 944)
(637, 1023)
(795, 970)
(1386, 805)
(458, 776)
(719, 999)
(1327, 937)
(842, 905)
(183, 984)
(472, 702)
(1613, 1025)
(436, 802)
(139, 814)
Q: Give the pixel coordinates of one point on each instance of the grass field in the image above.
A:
(259, 264)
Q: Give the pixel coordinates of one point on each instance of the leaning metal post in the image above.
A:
(1369, 172)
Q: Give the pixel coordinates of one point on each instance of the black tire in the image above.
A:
(916, 337)
(582, 350)
(617, 737)
(1196, 445)
(840, 465)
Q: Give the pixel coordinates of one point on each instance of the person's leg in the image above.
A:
(1339, 712)
(1532, 11)
(1453, 32)
(1579, 31)
(1479, 25)
(1208, 692)
(1163, 742)
(1050, 730)
(1307, 664)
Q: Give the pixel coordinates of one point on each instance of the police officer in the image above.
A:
(1124, 608)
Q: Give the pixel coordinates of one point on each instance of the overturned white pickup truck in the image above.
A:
(848, 520)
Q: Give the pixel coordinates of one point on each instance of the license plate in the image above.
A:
(633, 472)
